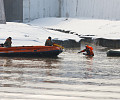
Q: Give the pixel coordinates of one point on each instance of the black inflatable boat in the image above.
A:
(113, 52)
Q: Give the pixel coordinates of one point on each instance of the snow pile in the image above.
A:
(100, 28)
(25, 34)
(35, 32)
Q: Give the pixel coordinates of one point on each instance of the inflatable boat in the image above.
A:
(30, 51)
(113, 52)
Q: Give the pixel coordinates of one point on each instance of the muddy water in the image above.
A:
(71, 76)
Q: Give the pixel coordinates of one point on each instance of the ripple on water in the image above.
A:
(71, 76)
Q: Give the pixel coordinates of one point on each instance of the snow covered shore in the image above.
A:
(35, 32)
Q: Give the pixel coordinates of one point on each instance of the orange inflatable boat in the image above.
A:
(30, 51)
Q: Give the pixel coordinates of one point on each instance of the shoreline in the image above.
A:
(109, 43)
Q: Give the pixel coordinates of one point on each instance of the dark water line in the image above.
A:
(110, 43)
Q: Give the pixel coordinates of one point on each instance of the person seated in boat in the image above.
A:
(49, 42)
(88, 50)
(8, 42)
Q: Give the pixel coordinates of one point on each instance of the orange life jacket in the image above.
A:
(89, 50)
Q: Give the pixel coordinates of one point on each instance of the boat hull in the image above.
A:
(30, 51)
(113, 53)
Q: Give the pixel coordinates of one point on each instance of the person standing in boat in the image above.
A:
(88, 50)
(49, 42)
(8, 42)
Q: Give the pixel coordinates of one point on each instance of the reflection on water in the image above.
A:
(28, 62)
(71, 76)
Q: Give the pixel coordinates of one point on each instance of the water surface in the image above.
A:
(71, 76)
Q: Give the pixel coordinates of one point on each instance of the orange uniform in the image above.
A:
(48, 42)
(8, 42)
(88, 50)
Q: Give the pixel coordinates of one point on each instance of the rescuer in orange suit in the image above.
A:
(49, 42)
(88, 50)
(8, 42)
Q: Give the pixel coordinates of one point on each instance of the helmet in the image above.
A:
(9, 37)
(89, 47)
(49, 37)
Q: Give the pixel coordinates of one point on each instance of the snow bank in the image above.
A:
(100, 28)
(28, 34)
(35, 32)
